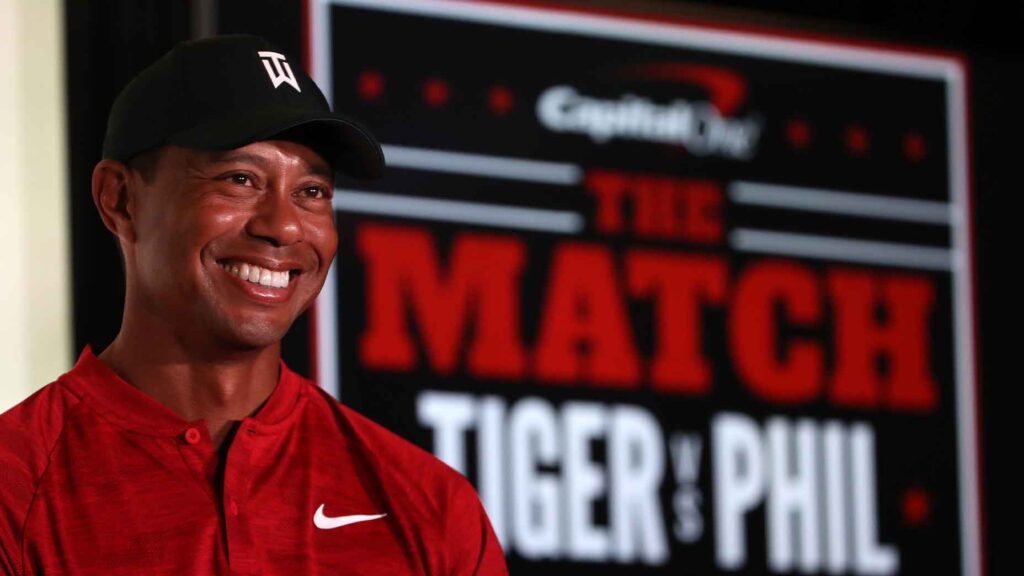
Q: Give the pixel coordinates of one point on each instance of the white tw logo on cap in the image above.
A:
(278, 69)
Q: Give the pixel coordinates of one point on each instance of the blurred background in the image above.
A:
(629, 254)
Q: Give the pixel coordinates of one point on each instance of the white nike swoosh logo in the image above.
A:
(324, 522)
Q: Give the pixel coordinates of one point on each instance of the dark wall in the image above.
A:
(108, 41)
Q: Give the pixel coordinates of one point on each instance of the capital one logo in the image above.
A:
(279, 70)
(704, 127)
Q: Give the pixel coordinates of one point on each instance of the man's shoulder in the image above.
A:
(29, 430)
(28, 433)
(365, 431)
(459, 530)
(389, 453)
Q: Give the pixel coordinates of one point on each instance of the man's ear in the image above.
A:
(113, 197)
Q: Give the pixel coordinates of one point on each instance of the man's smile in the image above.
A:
(265, 282)
(257, 274)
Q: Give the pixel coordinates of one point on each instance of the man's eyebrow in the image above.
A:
(237, 156)
(233, 156)
(319, 170)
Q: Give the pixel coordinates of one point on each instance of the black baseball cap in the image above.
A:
(229, 91)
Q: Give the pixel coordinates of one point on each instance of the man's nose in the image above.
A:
(276, 219)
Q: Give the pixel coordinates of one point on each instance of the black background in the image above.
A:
(913, 449)
(108, 41)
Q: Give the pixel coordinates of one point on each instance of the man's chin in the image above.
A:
(253, 334)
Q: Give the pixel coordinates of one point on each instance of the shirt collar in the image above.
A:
(131, 408)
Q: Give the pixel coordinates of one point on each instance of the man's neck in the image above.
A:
(219, 390)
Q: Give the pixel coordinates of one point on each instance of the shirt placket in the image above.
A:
(200, 457)
(237, 513)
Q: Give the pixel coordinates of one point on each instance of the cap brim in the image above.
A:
(347, 146)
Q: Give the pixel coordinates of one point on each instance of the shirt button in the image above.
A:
(192, 436)
(233, 507)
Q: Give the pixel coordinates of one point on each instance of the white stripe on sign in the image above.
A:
(843, 249)
(500, 216)
(568, 21)
(558, 173)
(839, 202)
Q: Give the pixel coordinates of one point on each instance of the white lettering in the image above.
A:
(450, 416)
(582, 423)
(739, 476)
(782, 469)
(491, 473)
(698, 127)
(543, 484)
(533, 435)
(870, 557)
(837, 548)
(793, 495)
(278, 69)
(636, 458)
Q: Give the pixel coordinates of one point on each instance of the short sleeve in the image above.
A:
(16, 489)
(28, 431)
(473, 547)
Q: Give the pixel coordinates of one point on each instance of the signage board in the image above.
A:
(675, 298)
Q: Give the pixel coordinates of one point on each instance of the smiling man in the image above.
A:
(187, 446)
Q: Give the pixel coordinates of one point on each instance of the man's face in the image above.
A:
(232, 246)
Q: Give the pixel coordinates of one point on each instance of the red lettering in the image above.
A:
(702, 211)
(902, 338)
(608, 188)
(653, 209)
(585, 333)
(796, 376)
(658, 207)
(679, 285)
(402, 271)
(880, 322)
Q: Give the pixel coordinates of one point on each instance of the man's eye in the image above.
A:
(315, 192)
(240, 179)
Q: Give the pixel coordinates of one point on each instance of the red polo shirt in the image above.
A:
(98, 478)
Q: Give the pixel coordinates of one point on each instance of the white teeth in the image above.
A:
(257, 275)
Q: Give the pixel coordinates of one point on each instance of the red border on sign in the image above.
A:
(761, 30)
(738, 27)
(307, 62)
(973, 277)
